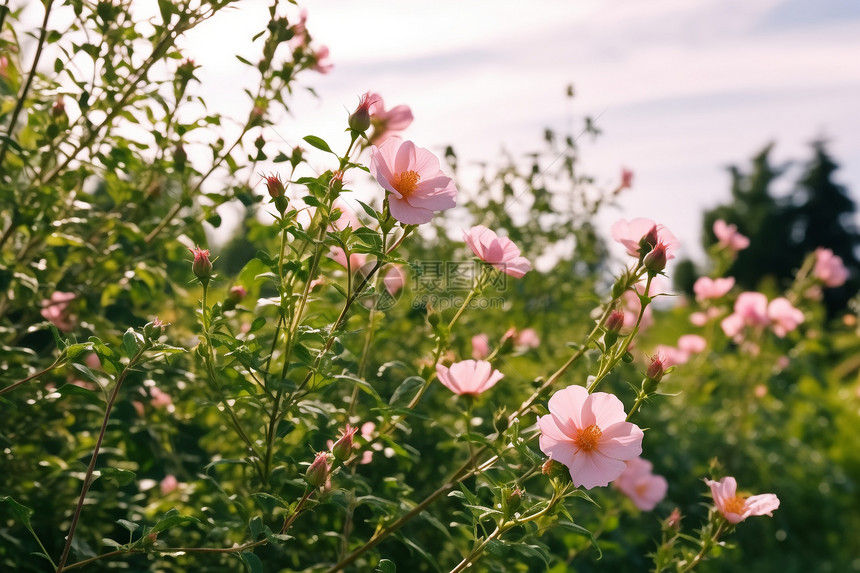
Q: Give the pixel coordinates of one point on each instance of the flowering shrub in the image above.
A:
(301, 398)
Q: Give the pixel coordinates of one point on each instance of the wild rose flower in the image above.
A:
(480, 346)
(321, 63)
(829, 268)
(729, 237)
(527, 338)
(394, 280)
(632, 233)
(735, 508)
(56, 310)
(644, 488)
(356, 260)
(168, 484)
(468, 377)
(692, 343)
(707, 288)
(783, 316)
(500, 252)
(588, 433)
(417, 187)
(386, 122)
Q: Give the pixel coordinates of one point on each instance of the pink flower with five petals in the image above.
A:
(417, 187)
(590, 435)
(735, 508)
(500, 252)
(468, 377)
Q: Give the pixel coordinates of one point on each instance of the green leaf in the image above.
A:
(252, 562)
(130, 526)
(117, 476)
(582, 531)
(318, 142)
(407, 390)
(172, 519)
(256, 527)
(362, 384)
(385, 566)
(130, 343)
(19, 512)
(258, 323)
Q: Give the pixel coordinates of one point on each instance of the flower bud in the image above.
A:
(318, 470)
(342, 449)
(556, 470)
(202, 266)
(654, 373)
(360, 118)
(615, 321)
(649, 241)
(274, 186)
(512, 500)
(234, 297)
(655, 261)
(58, 110)
(152, 331)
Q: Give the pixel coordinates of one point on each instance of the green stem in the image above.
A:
(91, 468)
(61, 359)
(707, 545)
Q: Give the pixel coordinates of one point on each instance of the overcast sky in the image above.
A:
(681, 88)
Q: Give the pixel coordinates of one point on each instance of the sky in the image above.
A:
(680, 89)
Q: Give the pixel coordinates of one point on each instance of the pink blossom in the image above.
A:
(784, 317)
(356, 260)
(527, 338)
(644, 488)
(501, 252)
(366, 431)
(168, 484)
(632, 233)
(729, 237)
(751, 310)
(707, 288)
(56, 310)
(626, 179)
(468, 377)
(160, 399)
(321, 63)
(698, 319)
(669, 356)
(394, 280)
(386, 122)
(300, 31)
(480, 346)
(692, 344)
(347, 217)
(588, 433)
(829, 268)
(735, 508)
(417, 187)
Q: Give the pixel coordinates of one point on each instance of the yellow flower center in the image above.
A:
(406, 182)
(588, 438)
(736, 504)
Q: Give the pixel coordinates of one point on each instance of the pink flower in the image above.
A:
(735, 508)
(417, 187)
(367, 430)
(168, 484)
(56, 310)
(784, 317)
(300, 31)
(644, 488)
(160, 399)
(829, 268)
(632, 233)
(527, 338)
(588, 433)
(626, 179)
(728, 236)
(480, 346)
(468, 377)
(386, 122)
(394, 280)
(707, 288)
(347, 217)
(692, 344)
(356, 260)
(321, 63)
(500, 252)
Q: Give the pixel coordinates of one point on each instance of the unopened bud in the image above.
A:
(556, 470)
(649, 241)
(342, 449)
(202, 266)
(513, 500)
(360, 118)
(655, 261)
(318, 470)
(274, 186)
(674, 520)
(153, 330)
(234, 297)
(615, 321)
(58, 110)
(508, 340)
